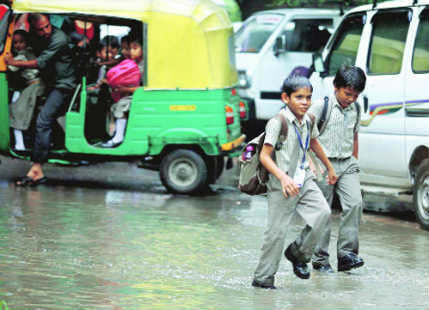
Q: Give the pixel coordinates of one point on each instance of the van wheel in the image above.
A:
(183, 172)
(421, 194)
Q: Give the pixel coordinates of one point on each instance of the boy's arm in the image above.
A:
(289, 187)
(355, 145)
(317, 148)
(11, 61)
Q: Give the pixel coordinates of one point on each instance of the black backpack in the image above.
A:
(326, 113)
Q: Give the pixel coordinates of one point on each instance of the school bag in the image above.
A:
(253, 175)
(126, 73)
(326, 113)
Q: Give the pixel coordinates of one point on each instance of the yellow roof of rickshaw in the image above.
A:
(189, 43)
(196, 9)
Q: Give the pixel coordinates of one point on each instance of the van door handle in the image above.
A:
(365, 104)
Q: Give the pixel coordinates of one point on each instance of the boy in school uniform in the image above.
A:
(339, 139)
(291, 187)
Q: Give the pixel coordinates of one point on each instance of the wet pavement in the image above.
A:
(110, 237)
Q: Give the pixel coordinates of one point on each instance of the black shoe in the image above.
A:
(349, 261)
(262, 285)
(300, 269)
(327, 268)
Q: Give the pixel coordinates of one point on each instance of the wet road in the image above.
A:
(111, 237)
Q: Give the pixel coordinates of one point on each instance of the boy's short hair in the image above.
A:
(125, 38)
(292, 83)
(22, 33)
(109, 40)
(350, 76)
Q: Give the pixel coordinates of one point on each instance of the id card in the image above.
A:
(299, 176)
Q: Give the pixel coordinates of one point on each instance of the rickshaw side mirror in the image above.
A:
(319, 65)
(279, 46)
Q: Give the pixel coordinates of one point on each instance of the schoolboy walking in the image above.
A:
(291, 187)
(339, 139)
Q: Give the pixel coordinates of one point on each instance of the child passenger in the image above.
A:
(121, 108)
(27, 88)
(107, 54)
(291, 187)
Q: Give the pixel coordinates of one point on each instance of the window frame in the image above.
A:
(423, 13)
(371, 41)
(338, 35)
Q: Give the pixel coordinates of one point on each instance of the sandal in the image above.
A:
(27, 181)
(34, 183)
(24, 181)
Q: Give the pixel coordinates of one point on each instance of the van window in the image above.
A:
(421, 46)
(388, 42)
(346, 43)
(252, 36)
(307, 35)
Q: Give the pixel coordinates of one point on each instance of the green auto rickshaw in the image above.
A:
(185, 119)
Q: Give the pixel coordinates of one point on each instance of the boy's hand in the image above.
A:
(8, 58)
(331, 178)
(289, 187)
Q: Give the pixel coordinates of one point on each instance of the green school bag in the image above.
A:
(253, 175)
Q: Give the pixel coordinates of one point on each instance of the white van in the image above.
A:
(270, 44)
(389, 41)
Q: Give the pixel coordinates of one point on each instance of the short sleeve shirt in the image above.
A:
(337, 138)
(291, 145)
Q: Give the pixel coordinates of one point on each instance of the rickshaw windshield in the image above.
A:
(253, 35)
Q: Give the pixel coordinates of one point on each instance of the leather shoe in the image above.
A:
(326, 268)
(300, 269)
(262, 285)
(349, 261)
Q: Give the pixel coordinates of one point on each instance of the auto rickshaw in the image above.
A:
(185, 119)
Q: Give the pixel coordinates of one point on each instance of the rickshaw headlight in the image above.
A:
(243, 79)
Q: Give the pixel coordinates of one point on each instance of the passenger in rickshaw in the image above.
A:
(124, 79)
(26, 88)
(107, 55)
(99, 95)
(54, 60)
(125, 46)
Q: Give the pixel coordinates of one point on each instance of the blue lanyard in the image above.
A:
(307, 141)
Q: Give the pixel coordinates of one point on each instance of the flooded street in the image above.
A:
(111, 237)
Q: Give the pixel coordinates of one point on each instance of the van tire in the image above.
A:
(421, 194)
(183, 172)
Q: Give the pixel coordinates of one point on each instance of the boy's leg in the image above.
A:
(314, 209)
(321, 253)
(350, 197)
(280, 211)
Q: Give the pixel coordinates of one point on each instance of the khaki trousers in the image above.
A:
(312, 207)
(349, 194)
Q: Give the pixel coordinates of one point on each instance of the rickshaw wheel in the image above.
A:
(183, 172)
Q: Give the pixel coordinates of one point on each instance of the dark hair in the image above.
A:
(22, 33)
(35, 17)
(109, 40)
(350, 76)
(292, 83)
(126, 38)
(135, 37)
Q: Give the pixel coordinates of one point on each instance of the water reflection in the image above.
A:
(86, 248)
